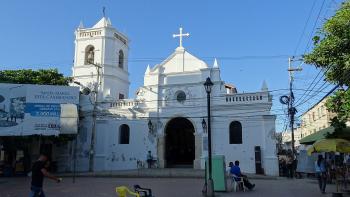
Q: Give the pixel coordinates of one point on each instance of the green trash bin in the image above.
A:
(218, 172)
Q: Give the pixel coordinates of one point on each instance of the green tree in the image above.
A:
(28, 76)
(332, 54)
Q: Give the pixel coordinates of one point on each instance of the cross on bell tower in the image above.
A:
(180, 35)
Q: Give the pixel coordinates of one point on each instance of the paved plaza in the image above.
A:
(162, 187)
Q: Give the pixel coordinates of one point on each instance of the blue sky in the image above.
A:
(251, 39)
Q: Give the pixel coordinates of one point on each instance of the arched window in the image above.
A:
(121, 59)
(89, 54)
(124, 134)
(235, 132)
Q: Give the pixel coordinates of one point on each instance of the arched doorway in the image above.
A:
(179, 143)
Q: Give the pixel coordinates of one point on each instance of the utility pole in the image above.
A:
(291, 109)
(93, 131)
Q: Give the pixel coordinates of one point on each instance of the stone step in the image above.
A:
(156, 173)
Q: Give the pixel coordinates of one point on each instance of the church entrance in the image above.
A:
(179, 143)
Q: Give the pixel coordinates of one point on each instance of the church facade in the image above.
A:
(168, 115)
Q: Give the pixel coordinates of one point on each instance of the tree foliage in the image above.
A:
(28, 76)
(339, 103)
(332, 54)
(332, 47)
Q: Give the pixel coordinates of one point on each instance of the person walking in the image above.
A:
(290, 167)
(320, 168)
(38, 172)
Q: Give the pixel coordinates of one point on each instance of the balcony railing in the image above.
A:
(248, 97)
(125, 103)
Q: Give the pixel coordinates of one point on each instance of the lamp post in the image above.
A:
(210, 184)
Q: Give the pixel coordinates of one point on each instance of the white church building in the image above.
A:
(168, 114)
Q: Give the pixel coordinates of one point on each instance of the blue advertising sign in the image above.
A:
(43, 109)
(27, 109)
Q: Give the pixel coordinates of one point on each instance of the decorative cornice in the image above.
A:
(103, 76)
(104, 65)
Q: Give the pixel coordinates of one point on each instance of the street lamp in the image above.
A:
(204, 125)
(208, 85)
(210, 184)
(150, 126)
(85, 90)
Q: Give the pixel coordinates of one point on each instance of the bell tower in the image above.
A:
(101, 59)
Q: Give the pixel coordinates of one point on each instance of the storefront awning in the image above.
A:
(324, 133)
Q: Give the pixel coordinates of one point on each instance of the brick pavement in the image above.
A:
(162, 187)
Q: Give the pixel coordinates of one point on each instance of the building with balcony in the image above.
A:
(315, 119)
(316, 124)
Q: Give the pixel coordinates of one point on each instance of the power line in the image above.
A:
(319, 90)
(304, 28)
(285, 120)
(330, 92)
(193, 117)
(246, 114)
(154, 59)
(314, 27)
(311, 96)
(306, 93)
(306, 48)
(237, 95)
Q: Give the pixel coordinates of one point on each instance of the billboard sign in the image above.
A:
(27, 109)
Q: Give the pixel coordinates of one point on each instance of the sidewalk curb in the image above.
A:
(199, 174)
